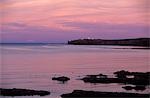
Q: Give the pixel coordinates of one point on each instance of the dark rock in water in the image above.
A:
(121, 74)
(63, 79)
(128, 87)
(139, 87)
(143, 75)
(22, 92)
(102, 80)
(94, 94)
(138, 78)
(97, 76)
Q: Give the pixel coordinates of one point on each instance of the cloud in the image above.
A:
(15, 25)
(93, 30)
(66, 19)
(106, 27)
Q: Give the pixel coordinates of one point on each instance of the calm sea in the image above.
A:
(32, 66)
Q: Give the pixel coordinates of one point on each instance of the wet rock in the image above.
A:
(94, 94)
(63, 78)
(128, 87)
(97, 76)
(136, 78)
(22, 92)
(139, 87)
(137, 75)
(100, 79)
(121, 74)
(139, 78)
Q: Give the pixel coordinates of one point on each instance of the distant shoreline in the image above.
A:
(144, 42)
(30, 44)
(139, 43)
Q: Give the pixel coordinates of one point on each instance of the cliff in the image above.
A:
(126, 42)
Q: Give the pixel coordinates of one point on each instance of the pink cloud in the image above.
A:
(74, 16)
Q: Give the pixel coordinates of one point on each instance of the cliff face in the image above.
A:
(126, 42)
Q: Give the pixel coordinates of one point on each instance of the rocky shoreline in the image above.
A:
(22, 92)
(138, 80)
(125, 77)
(95, 94)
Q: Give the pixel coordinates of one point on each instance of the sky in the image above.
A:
(57, 21)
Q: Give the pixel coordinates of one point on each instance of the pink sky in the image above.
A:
(62, 20)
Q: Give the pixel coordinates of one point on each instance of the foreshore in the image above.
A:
(22, 92)
(95, 94)
(140, 80)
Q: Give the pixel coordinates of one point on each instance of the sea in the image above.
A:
(32, 66)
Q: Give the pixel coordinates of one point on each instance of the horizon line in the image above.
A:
(65, 42)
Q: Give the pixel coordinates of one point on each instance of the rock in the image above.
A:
(134, 87)
(140, 87)
(94, 94)
(136, 78)
(97, 76)
(121, 74)
(139, 78)
(63, 78)
(102, 80)
(22, 92)
(128, 87)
